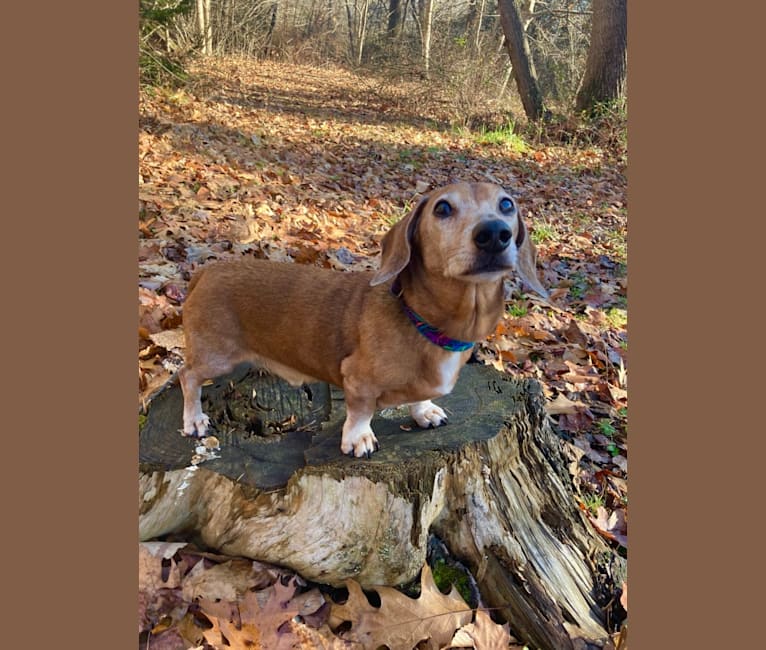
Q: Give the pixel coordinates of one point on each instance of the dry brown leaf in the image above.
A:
(246, 624)
(593, 454)
(150, 573)
(226, 581)
(611, 525)
(158, 594)
(482, 634)
(264, 620)
(624, 596)
(401, 622)
(562, 405)
(169, 339)
(574, 334)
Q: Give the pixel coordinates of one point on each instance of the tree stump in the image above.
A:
(492, 485)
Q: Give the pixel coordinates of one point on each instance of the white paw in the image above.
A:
(196, 426)
(358, 439)
(364, 446)
(427, 414)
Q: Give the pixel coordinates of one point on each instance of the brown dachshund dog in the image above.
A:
(396, 336)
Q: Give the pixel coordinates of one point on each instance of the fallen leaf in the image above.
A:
(169, 339)
(595, 456)
(624, 596)
(226, 581)
(562, 404)
(401, 622)
(576, 422)
(482, 634)
(621, 462)
(574, 334)
(612, 525)
(150, 566)
(262, 620)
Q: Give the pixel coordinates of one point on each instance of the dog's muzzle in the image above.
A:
(492, 236)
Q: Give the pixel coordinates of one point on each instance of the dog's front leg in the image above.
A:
(358, 438)
(427, 414)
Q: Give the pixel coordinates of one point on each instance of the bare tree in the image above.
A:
(356, 14)
(521, 59)
(424, 20)
(481, 4)
(205, 29)
(606, 66)
(395, 18)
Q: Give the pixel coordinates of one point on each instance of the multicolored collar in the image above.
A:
(433, 334)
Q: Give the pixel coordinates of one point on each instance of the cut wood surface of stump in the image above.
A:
(492, 485)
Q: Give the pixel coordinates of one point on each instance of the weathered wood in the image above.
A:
(492, 484)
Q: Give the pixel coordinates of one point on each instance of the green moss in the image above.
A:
(446, 577)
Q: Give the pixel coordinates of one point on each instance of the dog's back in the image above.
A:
(251, 308)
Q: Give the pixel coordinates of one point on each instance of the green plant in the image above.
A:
(542, 232)
(505, 136)
(579, 286)
(617, 317)
(156, 64)
(517, 309)
(606, 428)
(392, 219)
(593, 502)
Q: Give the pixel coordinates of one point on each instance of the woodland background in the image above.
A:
(300, 130)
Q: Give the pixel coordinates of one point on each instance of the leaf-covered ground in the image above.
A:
(313, 165)
(193, 599)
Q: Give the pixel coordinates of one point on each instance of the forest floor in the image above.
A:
(314, 165)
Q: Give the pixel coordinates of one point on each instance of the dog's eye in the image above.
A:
(506, 205)
(442, 209)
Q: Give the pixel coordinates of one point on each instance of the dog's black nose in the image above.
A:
(492, 236)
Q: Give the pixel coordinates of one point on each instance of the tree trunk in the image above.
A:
(394, 18)
(474, 22)
(521, 60)
(357, 27)
(427, 22)
(492, 485)
(270, 33)
(607, 62)
(205, 30)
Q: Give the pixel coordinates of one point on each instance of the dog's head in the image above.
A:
(468, 231)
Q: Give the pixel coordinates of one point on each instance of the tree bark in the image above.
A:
(205, 29)
(357, 27)
(607, 62)
(394, 18)
(521, 60)
(270, 33)
(492, 485)
(427, 22)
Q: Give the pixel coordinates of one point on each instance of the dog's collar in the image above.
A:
(433, 334)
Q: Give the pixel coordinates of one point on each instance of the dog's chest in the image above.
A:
(445, 372)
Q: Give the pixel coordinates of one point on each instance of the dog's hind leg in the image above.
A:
(195, 421)
(191, 377)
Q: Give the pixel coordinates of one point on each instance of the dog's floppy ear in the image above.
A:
(527, 259)
(397, 246)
